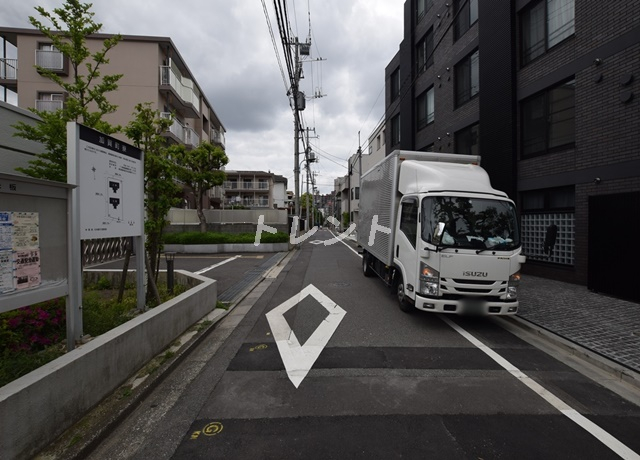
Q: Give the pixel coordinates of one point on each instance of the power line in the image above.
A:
(275, 46)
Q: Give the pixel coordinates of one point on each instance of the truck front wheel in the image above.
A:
(403, 302)
(366, 268)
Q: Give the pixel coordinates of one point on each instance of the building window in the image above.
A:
(548, 120)
(467, 78)
(467, 140)
(422, 6)
(544, 25)
(424, 52)
(466, 15)
(395, 84)
(425, 108)
(395, 130)
(548, 225)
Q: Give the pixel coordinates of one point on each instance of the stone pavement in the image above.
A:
(605, 325)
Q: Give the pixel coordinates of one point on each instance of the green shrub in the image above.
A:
(223, 238)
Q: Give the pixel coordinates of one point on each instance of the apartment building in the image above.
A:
(255, 189)
(153, 71)
(547, 92)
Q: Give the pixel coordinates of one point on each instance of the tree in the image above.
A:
(86, 90)
(161, 192)
(200, 169)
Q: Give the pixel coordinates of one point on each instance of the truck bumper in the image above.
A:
(466, 306)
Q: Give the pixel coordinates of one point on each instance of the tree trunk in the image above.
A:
(203, 220)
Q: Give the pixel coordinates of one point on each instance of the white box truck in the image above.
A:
(432, 227)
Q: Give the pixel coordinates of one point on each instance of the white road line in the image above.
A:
(601, 435)
(200, 272)
(349, 247)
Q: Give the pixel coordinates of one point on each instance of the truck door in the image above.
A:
(405, 245)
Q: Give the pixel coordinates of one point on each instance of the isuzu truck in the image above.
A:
(436, 231)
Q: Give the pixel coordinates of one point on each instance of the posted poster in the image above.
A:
(19, 250)
(6, 271)
(6, 231)
(27, 269)
(25, 230)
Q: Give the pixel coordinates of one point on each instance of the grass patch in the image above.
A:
(223, 238)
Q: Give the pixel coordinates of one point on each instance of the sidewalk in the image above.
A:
(605, 325)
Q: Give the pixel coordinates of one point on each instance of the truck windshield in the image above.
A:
(474, 223)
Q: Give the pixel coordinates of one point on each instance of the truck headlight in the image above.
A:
(512, 286)
(429, 280)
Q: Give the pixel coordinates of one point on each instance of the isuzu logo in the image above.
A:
(476, 274)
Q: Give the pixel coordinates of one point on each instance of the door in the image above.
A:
(613, 239)
(406, 240)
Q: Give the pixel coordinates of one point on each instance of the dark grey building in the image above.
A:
(548, 93)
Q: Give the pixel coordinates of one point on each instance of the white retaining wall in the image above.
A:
(36, 408)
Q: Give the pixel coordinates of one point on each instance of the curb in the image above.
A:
(621, 372)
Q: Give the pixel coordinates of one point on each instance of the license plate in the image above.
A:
(473, 307)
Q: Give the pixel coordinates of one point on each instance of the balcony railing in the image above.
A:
(51, 60)
(45, 105)
(176, 128)
(8, 69)
(246, 185)
(191, 137)
(184, 134)
(217, 136)
(182, 85)
(248, 203)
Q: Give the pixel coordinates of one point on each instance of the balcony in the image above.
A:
(8, 69)
(182, 87)
(246, 185)
(191, 138)
(248, 202)
(47, 105)
(217, 137)
(51, 60)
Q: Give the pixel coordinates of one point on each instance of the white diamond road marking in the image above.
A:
(317, 242)
(298, 359)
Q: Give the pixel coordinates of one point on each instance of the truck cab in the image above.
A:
(436, 231)
(457, 253)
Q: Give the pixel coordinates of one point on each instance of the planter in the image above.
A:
(36, 408)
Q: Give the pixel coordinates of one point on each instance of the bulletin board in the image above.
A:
(33, 241)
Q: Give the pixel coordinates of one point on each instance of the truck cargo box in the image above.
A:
(380, 196)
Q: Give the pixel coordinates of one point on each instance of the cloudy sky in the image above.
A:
(228, 48)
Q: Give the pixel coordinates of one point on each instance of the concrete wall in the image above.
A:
(225, 248)
(38, 407)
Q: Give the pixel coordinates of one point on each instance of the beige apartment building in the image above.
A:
(255, 189)
(153, 71)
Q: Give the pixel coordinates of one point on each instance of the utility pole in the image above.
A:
(296, 129)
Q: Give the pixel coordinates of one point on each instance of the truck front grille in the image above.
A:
(489, 290)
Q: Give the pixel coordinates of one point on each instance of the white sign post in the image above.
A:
(108, 202)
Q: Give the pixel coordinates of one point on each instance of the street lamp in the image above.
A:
(170, 256)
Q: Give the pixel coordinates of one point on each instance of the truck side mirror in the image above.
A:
(437, 233)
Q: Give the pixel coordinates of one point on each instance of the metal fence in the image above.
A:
(103, 250)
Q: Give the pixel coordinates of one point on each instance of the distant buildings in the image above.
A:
(255, 189)
(548, 93)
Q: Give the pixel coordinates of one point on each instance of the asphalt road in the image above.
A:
(354, 377)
